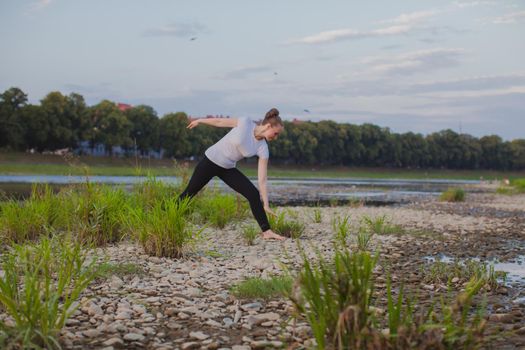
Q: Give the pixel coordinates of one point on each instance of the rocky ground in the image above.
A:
(187, 303)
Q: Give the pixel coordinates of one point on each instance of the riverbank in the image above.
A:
(187, 303)
(37, 164)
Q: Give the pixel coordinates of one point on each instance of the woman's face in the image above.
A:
(272, 132)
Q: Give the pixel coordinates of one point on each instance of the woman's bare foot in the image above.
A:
(269, 234)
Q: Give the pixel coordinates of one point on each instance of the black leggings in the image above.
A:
(206, 170)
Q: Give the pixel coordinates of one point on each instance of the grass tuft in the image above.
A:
(453, 195)
(259, 288)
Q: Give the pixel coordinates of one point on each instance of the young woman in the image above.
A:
(246, 139)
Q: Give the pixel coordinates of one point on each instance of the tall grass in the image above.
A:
(220, 209)
(38, 216)
(335, 296)
(98, 213)
(39, 289)
(151, 191)
(163, 230)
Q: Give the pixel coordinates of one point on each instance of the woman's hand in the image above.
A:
(269, 211)
(193, 124)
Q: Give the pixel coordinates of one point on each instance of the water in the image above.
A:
(284, 191)
(515, 269)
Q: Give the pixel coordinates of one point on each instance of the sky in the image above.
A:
(420, 66)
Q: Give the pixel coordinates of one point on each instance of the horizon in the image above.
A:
(415, 66)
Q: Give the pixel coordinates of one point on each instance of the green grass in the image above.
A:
(381, 225)
(317, 216)
(284, 226)
(40, 215)
(108, 269)
(250, 233)
(220, 209)
(453, 195)
(39, 289)
(259, 288)
(443, 272)
(98, 213)
(341, 228)
(164, 230)
(516, 186)
(21, 163)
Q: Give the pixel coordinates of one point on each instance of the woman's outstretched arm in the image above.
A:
(218, 122)
(262, 171)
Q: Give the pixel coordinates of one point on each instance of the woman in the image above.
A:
(246, 139)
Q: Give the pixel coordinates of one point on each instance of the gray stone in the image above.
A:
(113, 341)
(134, 337)
(190, 345)
(199, 335)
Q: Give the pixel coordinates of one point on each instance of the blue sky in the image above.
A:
(420, 66)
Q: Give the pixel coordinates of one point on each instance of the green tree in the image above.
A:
(174, 136)
(12, 101)
(144, 127)
(108, 125)
(517, 148)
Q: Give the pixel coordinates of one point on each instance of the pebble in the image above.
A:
(199, 335)
(134, 337)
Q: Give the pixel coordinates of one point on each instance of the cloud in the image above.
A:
(513, 17)
(243, 72)
(464, 4)
(416, 61)
(411, 18)
(39, 5)
(179, 30)
(347, 34)
(470, 84)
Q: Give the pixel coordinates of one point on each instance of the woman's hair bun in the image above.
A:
(272, 118)
(272, 113)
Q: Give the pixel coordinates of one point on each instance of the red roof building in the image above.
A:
(124, 107)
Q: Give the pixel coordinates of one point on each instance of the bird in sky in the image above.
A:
(193, 38)
(306, 110)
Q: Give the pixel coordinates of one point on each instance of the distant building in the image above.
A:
(123, 106)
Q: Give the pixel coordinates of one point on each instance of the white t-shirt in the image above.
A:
(239, 143)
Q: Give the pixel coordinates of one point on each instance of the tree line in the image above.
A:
(63, 121)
